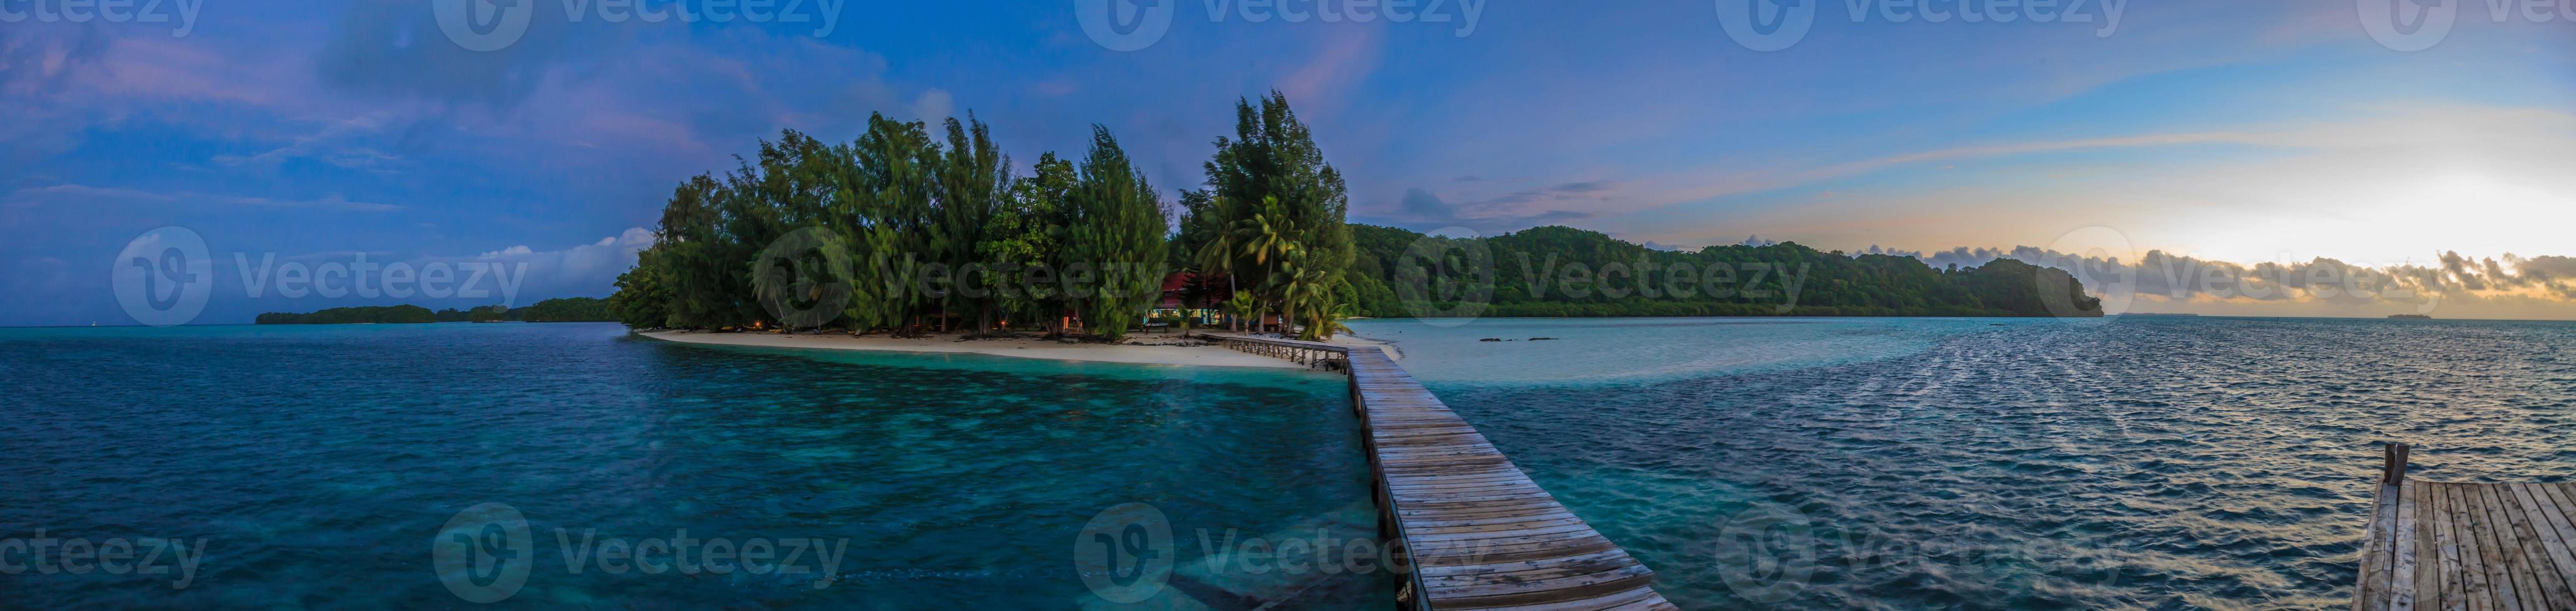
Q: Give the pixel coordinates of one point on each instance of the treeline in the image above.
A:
(356, 315)
(568, 309)
(907, 231)
(1561, 271)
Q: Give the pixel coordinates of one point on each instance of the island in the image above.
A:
(567, 309)
(910, 231)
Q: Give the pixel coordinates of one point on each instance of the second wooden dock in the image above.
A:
(2480, 546)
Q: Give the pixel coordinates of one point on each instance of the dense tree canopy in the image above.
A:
(903, 232)
(1562, 271)
(1272, 220)
(906, 229)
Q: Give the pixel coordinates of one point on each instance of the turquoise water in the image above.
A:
(319, 464)
(2156, 463)
(1884, 463)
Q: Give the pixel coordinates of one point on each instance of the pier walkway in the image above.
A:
(2486, 547)
(1476, 531)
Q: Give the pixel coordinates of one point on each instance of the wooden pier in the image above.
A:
(1476, 532)
(2484, 547)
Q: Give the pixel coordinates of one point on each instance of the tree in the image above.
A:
(1117, 232)
(974, 182)
(898, 178)
(1272, 192)
(699, 257)
(1025, 239)
(643, 298)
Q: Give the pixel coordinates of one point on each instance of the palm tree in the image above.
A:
(1302, 281)
(1242, 305)
(1217, 257)
(1325, 317)
(1270, 237)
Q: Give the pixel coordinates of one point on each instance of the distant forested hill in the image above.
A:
(354, 315)
(1561, 271)
(569, 309)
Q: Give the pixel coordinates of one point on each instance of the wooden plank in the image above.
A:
(2479, 593)
(2557, 529)
(2454, 595)
(1625, 600)
(2492, 550)
(2370, 592)
(2428, 555)
(2539, 551)
(2402, 569)
(1477, 530)
(2536, 593)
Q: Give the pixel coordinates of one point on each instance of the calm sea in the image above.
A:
(1968, 463)
(320, 466)
(1790, 463)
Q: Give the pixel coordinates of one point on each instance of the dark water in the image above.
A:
(319, 464)
(2138, 463)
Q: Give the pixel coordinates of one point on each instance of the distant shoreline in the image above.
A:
(1140, 349)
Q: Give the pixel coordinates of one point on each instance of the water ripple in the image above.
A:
(2181, 463)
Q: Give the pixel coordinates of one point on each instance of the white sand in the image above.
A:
(1138, 349)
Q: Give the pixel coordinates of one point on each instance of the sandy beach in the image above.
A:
(1144, 349)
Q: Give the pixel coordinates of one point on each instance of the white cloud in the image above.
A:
(74, 194)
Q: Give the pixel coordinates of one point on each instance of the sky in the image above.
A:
(2423, 143)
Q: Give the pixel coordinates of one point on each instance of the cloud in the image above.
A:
(585, 270)
(1424, 211)
(2503, 287)
(933, 105)
(71, 194)
(332, 145)
(390, 49)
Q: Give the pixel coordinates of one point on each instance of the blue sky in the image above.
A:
(2238, 131)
